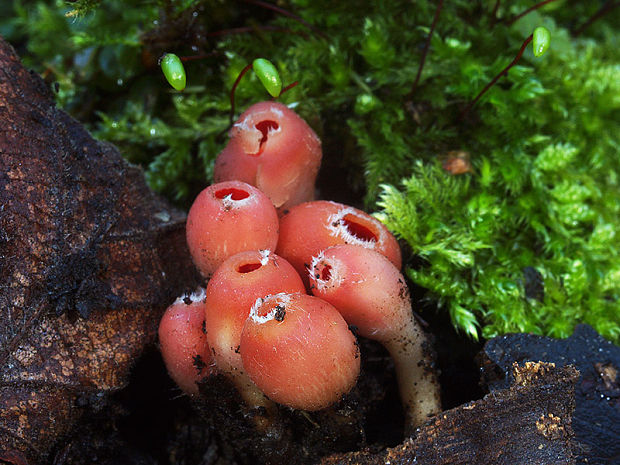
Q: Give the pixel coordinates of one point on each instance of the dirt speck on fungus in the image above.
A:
(280, 312)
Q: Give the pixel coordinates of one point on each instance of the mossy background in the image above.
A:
(527, 240)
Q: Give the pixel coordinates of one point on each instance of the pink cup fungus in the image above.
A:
(371, 294)
(231, 292)
(299, 351)
(227, 218)
(272, 148)
(311, 227)
(183, 342)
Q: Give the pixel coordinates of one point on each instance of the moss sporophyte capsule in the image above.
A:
(173, 70)
(268, 75)
(540, 40)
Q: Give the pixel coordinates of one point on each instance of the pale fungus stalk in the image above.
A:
(372, 295)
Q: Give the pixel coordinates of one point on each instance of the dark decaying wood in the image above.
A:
(89, 258)
(527, 423)
(596, 420)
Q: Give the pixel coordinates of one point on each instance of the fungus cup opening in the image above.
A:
(354, 229)
(359, 230)
(248, 267)
(265, 127)
(325, 272)
(231, 193)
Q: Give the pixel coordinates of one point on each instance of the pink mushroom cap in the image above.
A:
(299, 351)
(309, 228)
(183, 342)
(274, 149)
(227, 218)
(232, 291)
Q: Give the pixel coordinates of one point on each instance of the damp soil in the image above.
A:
(160, 425)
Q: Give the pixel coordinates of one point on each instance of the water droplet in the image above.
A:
(119, 82)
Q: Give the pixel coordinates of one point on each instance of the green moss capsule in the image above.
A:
(268, 75)
(540, 41)
(174, 71)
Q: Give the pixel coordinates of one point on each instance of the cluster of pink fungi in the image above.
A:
(287, 279)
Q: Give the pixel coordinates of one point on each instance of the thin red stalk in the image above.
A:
(496, 78)
(426, 47)
(529, 10)
(606, 8)
(289, 87)
(288, 14)
(494, 13)
(232, 91)
(246, 29)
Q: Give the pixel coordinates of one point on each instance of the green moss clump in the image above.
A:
(525, 239)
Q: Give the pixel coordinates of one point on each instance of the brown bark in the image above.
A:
(529, 423)
(596, 419)
(89, 258)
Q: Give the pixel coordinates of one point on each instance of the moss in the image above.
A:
(525, 240)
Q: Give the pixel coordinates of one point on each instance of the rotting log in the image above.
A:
(89, 257)
(596, 420)
(527, 423)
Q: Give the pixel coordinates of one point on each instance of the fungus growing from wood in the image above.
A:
(272, 148)
(299, 351)
(183, 342)
(227, 218)
(372, 295)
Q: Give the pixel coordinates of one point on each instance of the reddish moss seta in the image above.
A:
(227, 218)
(299, 351)
(183, 342)
(311, 227)
(272, 148)
(372, 295)
(231, 292)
